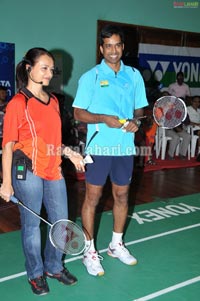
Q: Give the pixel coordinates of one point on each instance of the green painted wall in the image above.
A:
(70, 26)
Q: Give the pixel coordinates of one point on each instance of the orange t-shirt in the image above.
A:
(151, 132)
(35, 127)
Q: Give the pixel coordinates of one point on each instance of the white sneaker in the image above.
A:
(122, 253)
(91, 260)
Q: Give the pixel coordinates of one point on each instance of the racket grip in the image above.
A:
(87, 159)
(123, 128)
(14, 199)
(122, 121)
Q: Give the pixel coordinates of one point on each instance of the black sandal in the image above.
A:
(150, 162)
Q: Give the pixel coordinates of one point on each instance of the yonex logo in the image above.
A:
(159, 69)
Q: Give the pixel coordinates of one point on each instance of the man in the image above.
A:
(194, 111)
(106, 94)
(175, 135)
(194, 117)
(179, 88)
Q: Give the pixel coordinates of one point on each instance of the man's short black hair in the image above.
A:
(180, 73)
(109, 30)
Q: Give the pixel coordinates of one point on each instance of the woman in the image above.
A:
(194, 117)
(31, 162)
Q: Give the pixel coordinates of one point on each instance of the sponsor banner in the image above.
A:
(7, 67)
(160, 63)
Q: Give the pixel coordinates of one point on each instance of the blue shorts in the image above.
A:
(118, 168)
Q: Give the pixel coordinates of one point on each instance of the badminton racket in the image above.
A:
(168, 112)
(125, 122)
(87, 160)
(64, 234)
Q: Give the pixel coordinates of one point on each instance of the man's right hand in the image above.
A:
(111, 121)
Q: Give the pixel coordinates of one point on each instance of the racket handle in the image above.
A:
(122, 121)
(14, 199)
(87, 159)
(124, 126)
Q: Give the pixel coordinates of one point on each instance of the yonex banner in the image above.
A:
(161, 63)
(7, 67)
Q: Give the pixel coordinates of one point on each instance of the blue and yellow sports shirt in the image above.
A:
(102, 91)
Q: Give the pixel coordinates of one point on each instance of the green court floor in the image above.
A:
(165, 238)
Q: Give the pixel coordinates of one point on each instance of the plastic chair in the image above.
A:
(191, 129)
(161, 141)
(189, 150)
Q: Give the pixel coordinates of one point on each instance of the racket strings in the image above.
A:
(169, 111)
(67, 237)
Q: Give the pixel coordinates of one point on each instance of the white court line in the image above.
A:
(105, 250)
(168, 289)
(12, 276)
(145, 239)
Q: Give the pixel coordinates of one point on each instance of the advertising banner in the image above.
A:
(160, 63)
(7, 67)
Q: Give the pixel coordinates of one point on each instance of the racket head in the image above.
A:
(68, 237)
(169, 112)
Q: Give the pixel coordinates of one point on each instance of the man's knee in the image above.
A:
(120, 193)
(93, 194)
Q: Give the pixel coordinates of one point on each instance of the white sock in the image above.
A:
(116, 238)
(90, 246)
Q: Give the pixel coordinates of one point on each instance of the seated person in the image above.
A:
(176, 134)
(179, 88)
(194, 116)
(149, 127)
(194, 111)
(150, 133)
